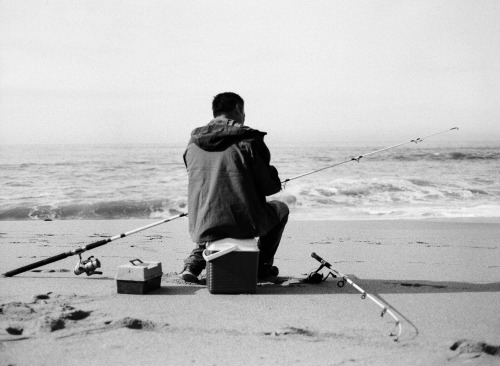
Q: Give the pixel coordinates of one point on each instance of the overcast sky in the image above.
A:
(101, 71)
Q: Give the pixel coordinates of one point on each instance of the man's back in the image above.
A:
(229, 177)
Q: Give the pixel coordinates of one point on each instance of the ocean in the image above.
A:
(431, 179)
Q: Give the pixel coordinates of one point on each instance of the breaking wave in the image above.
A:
(150, 181)
(392, 198)
(97, 211)
(443, 156)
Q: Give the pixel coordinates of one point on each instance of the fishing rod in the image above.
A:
(90, 265)
(358, 158)
(316, 277)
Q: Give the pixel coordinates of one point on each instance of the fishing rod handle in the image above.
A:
(55, 258)
(321, 260)
(92, 245)
(35, 265)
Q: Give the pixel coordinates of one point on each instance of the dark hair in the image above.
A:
(226, 102)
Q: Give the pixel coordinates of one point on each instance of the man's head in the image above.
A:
(230, 105)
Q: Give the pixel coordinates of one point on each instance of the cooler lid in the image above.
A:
(138, 270)
(242, 245)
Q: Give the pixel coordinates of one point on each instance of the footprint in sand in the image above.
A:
(420, 285)
(473, 349)
(42, 296)
(50, 323)
(62, 270)
(53, 314)
(154, 237)
(15, 330)
(132, 323)
(44, 314)
(291, 331)
(77, 315)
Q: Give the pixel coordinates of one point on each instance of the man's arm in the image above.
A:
(265, 175)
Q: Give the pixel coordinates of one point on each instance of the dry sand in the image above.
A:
(441, 278)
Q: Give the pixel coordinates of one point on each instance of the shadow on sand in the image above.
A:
(172, 285)
(297, 286)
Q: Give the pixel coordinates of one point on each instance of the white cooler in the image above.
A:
(232, 266)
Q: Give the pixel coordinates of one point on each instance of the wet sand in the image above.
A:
(441, 278)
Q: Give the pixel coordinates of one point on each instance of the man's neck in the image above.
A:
(235, 118)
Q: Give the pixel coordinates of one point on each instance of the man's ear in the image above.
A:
(241, 108)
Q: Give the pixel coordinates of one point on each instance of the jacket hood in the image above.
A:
(221, 133)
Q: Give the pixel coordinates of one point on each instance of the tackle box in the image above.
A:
(232, 266)
(138, 277)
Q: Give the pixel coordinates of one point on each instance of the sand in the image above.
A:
(441, 278)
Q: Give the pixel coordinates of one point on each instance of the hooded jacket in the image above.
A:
(230, 176)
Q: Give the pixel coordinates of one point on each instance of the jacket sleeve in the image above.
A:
(265, 175)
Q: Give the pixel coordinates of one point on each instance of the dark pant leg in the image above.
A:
(269, 242)
(195, 261)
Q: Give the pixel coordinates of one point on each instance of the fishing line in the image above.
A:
(358, 158)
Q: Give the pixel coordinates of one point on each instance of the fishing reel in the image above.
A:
(316, 277)
(87, 266)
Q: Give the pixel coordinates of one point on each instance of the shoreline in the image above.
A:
(483, 219)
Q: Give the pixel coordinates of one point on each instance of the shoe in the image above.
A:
(188, 276)
(270, 272)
